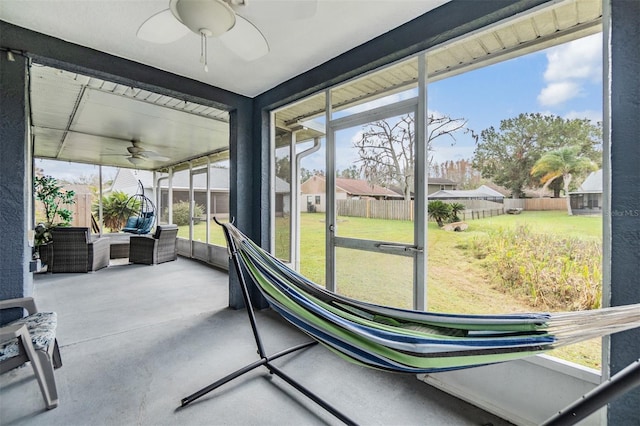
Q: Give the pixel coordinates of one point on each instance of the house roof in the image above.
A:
(364, 188)
(478, 193)
(591, 185)
(359, 187)
(488, 190)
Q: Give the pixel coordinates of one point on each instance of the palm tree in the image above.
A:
(563, 162)
(439, 211)
(115, 210)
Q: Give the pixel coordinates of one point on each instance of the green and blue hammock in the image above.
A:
(410, 341)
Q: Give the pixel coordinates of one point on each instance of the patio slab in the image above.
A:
(136, 339)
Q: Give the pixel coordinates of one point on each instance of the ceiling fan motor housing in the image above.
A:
(207, 17)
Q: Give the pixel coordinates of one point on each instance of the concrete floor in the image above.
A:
(136, 339)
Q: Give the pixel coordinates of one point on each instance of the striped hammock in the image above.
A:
(410, 341)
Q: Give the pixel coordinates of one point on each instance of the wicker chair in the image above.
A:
(32, 338)
(151, 250)
(74, 250)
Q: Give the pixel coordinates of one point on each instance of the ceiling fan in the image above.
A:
(138, 154)
(217, 18)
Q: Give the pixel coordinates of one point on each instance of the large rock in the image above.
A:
(456, 226)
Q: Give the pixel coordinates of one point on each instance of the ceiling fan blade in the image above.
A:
(245, 40)
(153, 156)
(162, 28)
(303, 9)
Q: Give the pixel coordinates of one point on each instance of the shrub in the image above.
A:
(117, 207)
(181, 215)
(554, 273)
(439, 211)
(455, 209)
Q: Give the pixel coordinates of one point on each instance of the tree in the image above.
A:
(283, 168)
(387, 148)
(439, 211)
(562, 163)
(348, 173)
(54, 198)
(507, 155)
(459, 171)
(306, 174)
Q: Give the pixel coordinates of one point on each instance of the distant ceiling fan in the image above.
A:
(137, 154)
(216, 18)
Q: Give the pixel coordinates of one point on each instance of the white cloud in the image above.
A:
(591, 115)
(557, 93)
(569, 66)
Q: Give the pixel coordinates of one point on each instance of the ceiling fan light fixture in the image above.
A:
(135, 160)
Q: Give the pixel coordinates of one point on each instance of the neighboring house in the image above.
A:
(126, 180)
(313, 192)
(481, 193)
(440, 184)
(434, 185)
(587, 199)
(482, 198)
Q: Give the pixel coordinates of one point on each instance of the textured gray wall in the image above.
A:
(625, 192)
(15, 190)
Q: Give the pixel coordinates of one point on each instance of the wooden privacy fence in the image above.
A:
(474, 209)
(403, 210)
(81, 210)
(376, 209)
(538, 204)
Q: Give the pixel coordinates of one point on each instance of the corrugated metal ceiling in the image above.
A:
(89, 120)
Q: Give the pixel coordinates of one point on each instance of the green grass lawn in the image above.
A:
(457, 282)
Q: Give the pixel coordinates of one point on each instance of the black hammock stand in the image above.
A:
(145, 213)
(265, 359)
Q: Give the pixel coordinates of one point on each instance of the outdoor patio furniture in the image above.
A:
(75, 250)
(151, 250)
(145, 217)
(32, 338)
(140, 224)
(118, 245)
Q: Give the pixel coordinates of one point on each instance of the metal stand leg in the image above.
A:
(264, 359)
(241, 371)
(626, 380)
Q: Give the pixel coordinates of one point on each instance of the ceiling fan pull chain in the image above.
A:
(203, 50)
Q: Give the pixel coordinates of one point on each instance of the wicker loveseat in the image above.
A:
(75, 250)
(159, 248)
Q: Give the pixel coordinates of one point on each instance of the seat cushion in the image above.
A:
(42, 328)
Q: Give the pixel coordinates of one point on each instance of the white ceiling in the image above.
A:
(296, 45)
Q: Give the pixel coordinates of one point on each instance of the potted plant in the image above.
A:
(117, 207)
(54, 199)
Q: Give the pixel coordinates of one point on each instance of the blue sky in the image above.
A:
(565, 80)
